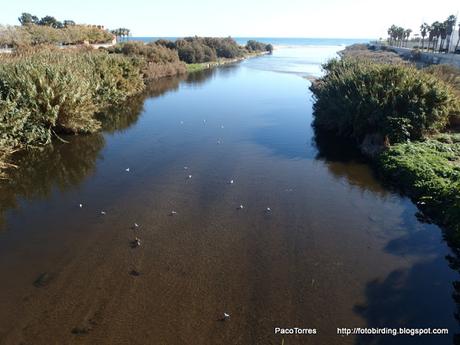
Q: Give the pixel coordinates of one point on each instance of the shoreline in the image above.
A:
(195, 67)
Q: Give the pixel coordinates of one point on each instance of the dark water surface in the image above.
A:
(336, 250)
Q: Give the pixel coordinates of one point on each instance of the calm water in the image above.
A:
(336, 250)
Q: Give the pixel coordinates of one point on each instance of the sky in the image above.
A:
(241, 18)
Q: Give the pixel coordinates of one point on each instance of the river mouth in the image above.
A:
(336, 249)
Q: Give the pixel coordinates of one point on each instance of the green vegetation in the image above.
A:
(157, 61)
(439, 35)
(361, 99)
(49, 91)
(394, 113)
(32, 34)
(429, 172)
(194, 50)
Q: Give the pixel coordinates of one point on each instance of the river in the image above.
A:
(319, 242)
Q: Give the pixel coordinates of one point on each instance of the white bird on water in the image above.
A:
(136, 242)
(189, 176)
(103, 213)
(240, 207)
(127, 169)
(226, 317)
(136, 225)
(268, 209)
(173, 213)
(230, 182)
(80, 205)
(185, 168)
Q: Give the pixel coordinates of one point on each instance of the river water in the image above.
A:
(336, 249)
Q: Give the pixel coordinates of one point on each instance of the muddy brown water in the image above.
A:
(336, 250)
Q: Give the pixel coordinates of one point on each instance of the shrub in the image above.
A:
(430, 173)
(254, 46)
(55, 90)
(359, 98)
(155, 60)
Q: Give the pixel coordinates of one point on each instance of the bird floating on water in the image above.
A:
(182, 122)
(268, 209)
(225, 317)
(127, 169)
(103, 213)
(80, 205)
(230, 182)
(185, 168)
(136, 242)
(240, 207)
(173, 213)
(135, 225)
(219, 142)
(189, 176)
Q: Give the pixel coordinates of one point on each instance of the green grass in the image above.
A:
(195, 67)
(429, 172)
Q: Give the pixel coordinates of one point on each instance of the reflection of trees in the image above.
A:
(56, 166)
(65, 165)
(343, 159)
(199, 77)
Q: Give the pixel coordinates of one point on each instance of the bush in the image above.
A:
(156, 60)
(430, 173)
(31, 34)
(254, 46)
(61, 91)
(360, 98)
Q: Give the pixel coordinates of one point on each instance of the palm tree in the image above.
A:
(435, 33)
(450, 23)
(458, 39)
(407, 33)
(424, 28)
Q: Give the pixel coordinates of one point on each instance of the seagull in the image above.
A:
(230, 182)
(173, 213)
(103, 213)
(185, 168)
(268, 209)
(226, 317)
(127, 169)
(136, 243)
(135, 225)
(240, 207)
(80, 205)
(189, 176)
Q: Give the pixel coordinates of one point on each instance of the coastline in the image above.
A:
(195, 67)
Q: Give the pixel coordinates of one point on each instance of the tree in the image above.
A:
(27, 18)
(68, 23)
(407, 33)
(458, 40)
(450, 23)
(51, 21)
(424, 28)
(121, 32)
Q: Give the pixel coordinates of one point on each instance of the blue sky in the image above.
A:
(243, 18)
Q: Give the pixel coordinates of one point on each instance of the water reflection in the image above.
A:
(63, 166)
(344, 160)
(60, 166)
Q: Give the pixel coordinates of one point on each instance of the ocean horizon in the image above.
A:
(276, 41)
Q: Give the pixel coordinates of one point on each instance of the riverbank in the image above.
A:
(48, 91)
(194, 67)
(412, 148)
